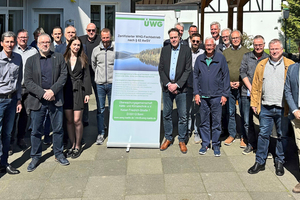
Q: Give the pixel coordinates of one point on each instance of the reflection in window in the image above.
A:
(15, 3)
(15, 20)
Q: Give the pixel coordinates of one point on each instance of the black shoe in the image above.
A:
(279, 169)
(256, 168)
(11, 170)
(247, 150)
(69, 153)
(32, 165)
(76, 153)
(22, 144)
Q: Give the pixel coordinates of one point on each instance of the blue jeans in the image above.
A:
(247, 118)
(192, 110)
(180, 99)
(231, 110)
(102, 90)
(7, 116)
(210, 107)
(267, 116)
(37, 121)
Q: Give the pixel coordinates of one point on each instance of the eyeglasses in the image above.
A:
(91, 30)
(258, 45)
(44, 42)
(196, 41)
(236, 38)
(275, 49)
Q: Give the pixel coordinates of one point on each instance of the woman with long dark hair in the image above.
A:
(76, 92)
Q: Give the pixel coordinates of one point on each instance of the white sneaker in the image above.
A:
(197, 138)
(100, 140)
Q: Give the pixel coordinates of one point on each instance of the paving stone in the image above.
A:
(196, 196)
(174, 151)
(144, 153)
(81, 169)
(179, 165)
(144, 166)
(222, 182)
(88, 153)
(183, 183)
(146, 197)
(233, 149)
(145, 184)
(229, 196)
(22, 189)
(105, 187)
(65, 187)
(264, 181)
(241, 163)
(214, 164)
(105, 153)
(272, 195)
(109, 167)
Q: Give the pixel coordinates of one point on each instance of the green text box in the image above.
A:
(135, 110)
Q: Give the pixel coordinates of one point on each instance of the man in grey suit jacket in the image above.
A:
(174, 68)
(291, 92)
(45, 76)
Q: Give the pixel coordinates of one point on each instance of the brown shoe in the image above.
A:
(182, 146)
(242, 144)
(296, 189)
(165, 145)
(229, 141)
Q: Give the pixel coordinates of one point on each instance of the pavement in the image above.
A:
(144, 174)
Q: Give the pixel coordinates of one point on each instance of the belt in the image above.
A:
(6, 96)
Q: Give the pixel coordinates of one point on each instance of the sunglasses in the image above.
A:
(196, 41)
(91, 30)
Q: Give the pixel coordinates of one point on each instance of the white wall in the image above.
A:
(78, 11)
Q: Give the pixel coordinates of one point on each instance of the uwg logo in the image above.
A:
(153, 23)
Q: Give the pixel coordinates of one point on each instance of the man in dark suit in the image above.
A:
(291, 92)
(45, 76)
(180, 28)
(174, 68)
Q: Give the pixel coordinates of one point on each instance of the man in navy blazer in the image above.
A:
(174, 68)
(44, 78)
(291, 92)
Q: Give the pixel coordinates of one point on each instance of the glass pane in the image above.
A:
(110, 18)
(15, 3)
(48, 21)
(15, 21)
(2, 24)
(3, 3)
(96, 16)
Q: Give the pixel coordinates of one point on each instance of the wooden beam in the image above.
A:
(230, 18)
(203, 3)
(240, 18)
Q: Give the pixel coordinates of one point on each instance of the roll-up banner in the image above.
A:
(136, 90)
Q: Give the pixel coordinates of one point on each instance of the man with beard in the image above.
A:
(45, 76)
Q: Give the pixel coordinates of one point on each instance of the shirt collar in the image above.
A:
(240, 46)
(48, 56)
(177, 49)
(273, 63)
(4, 57)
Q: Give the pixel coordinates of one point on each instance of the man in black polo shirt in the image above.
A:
(91, 40)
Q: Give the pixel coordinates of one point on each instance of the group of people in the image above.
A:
(220, 73)
(49, 84)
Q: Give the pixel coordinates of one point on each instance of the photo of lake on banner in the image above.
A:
(137, 57)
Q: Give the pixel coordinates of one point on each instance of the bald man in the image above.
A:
(91, 40)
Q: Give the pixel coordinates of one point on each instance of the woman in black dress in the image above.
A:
(76, 92)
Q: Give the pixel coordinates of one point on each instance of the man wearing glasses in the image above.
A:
(25, 51)
(234, 56)
(248, 66)
(192, 108)
(225, 33)
(90, 40)
(45, 76)
(267, 100)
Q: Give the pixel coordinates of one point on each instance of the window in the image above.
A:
(104, 17)
(48, 21)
